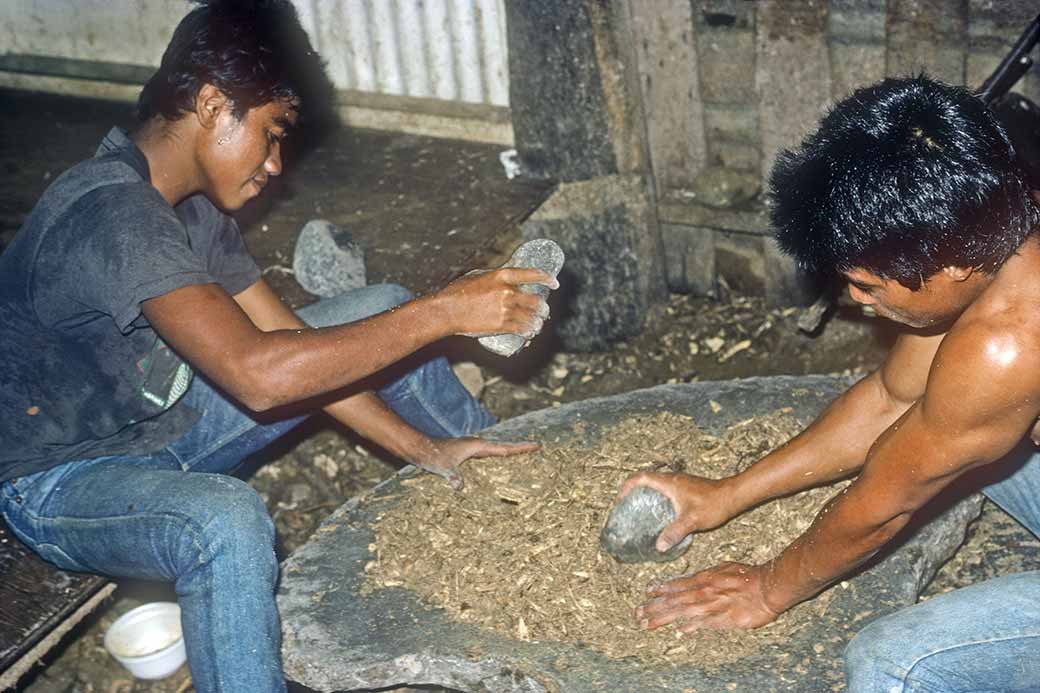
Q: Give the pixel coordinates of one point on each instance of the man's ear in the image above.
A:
(209, 102)
(958, 274)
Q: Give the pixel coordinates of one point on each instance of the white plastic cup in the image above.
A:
(148, 640)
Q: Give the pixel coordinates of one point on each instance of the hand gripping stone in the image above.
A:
(630, 534)
(540, 253)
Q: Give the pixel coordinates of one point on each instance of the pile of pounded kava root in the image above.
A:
(517, 550)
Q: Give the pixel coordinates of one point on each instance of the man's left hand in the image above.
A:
(730, 595)
(444, 455)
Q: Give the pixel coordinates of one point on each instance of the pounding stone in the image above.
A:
(542, 254)
(630, 534)
(327, 262)
(339, 638)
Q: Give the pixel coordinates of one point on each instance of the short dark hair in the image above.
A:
(903, 178)
(253, 51)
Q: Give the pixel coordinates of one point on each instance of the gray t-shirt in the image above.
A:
(82, 373)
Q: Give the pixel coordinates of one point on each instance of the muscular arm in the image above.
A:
(836, 444)
(980, 399)
(832, 447)
(363, 412)
(264, 368)
(259, 310)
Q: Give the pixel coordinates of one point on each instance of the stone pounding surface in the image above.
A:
(539, 515)
(339, 636)
(542, 254)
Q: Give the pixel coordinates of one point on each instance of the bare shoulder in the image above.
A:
(989, 361)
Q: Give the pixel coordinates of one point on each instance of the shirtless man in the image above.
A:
(912, 191)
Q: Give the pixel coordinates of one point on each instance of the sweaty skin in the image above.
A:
(956, 397)
(257, 350)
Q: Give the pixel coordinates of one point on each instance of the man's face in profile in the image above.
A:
(241, 155)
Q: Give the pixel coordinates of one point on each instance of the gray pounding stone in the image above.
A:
(542, 254)
(339, 637)
(326, 261)
(630, 533)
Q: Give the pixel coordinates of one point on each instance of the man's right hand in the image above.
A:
(488, 303)
(700, 504)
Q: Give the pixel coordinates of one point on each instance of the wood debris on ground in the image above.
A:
(517, 550)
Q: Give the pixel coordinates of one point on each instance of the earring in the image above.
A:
(223, 140)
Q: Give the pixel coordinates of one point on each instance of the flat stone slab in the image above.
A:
(337, 639)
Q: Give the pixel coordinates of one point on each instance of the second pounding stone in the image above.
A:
(542, 254)
(630, 533)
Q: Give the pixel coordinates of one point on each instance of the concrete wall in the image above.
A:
(728, 83)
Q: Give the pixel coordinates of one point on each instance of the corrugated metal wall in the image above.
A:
(453, 50)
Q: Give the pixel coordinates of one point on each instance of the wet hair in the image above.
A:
(903, 178)
(253, 51)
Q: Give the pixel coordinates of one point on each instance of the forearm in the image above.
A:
(909, 465)
(850, 529)
(289, 365)
(369, 417)
(832, 447)
(259, 352)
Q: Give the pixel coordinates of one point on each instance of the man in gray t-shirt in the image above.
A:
(85, 375)
(144, 356)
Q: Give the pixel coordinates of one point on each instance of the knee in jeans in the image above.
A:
(238, 522)
(858, 654)
(867, 655)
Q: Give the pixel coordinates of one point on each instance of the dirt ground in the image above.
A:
(426, 210)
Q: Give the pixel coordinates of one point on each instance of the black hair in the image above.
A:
(903, 178)
(253, 51)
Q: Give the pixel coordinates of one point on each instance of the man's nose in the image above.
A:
(273, 165)
(860, 296)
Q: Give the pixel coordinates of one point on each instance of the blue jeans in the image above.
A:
(985, 637)
(209, 533)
